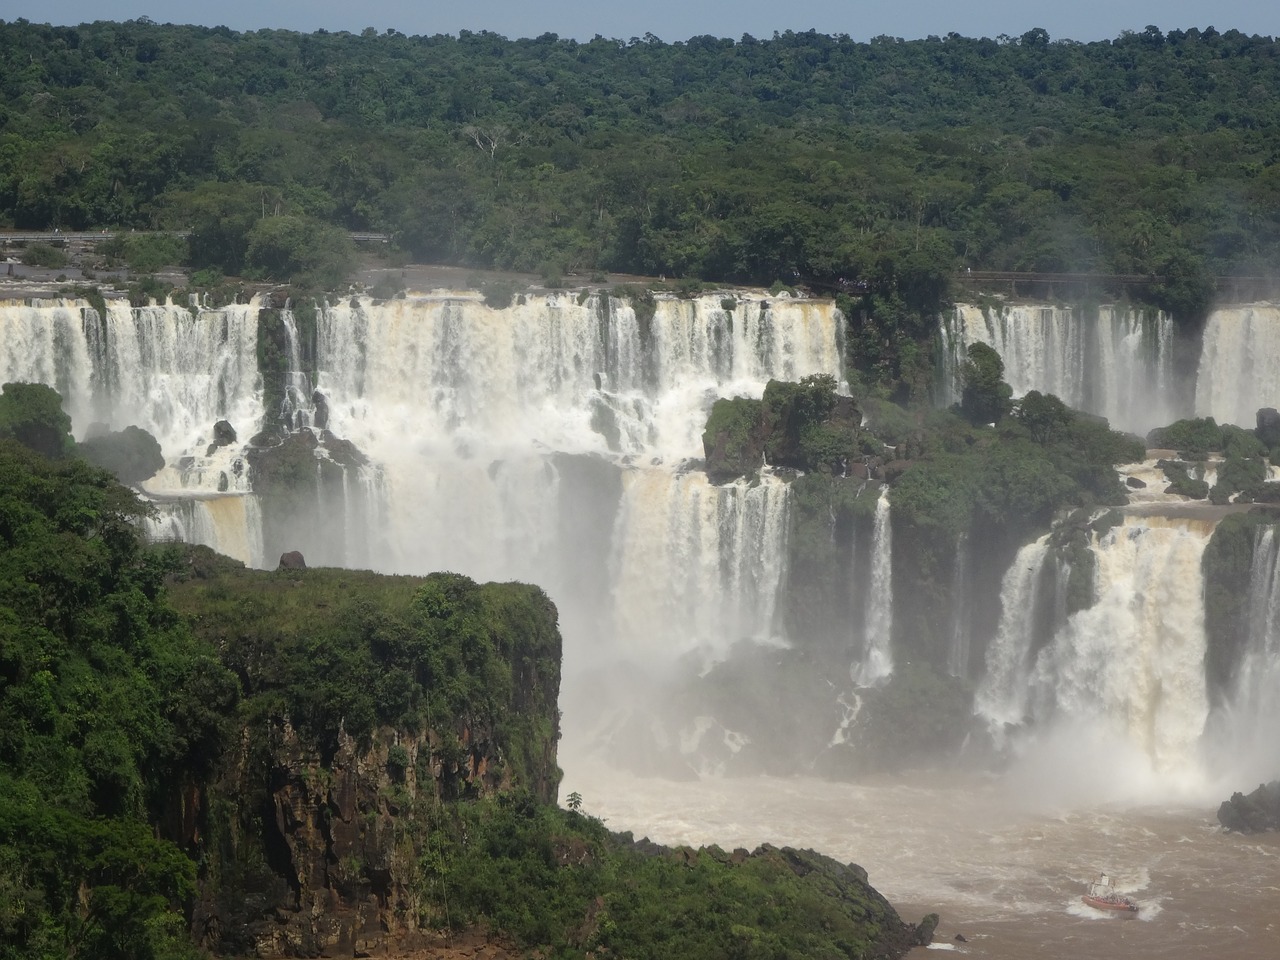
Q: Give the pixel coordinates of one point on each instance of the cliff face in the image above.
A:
(1255, 813)
(321, 857)
(311, 829)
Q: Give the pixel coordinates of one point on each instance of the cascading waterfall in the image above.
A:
(231, 525)
(1239, 364)
(688, 569)
(1003, 696)
(544, 374)
(168, 369)
(1131, 666)
(1258, 677)
(1118, 364)
(297, 390)
(1244, 727)
(958, 652)
(550, 442)
(877, 658)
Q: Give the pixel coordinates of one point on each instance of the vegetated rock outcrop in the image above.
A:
(803, 425)
(1257, 812)
(369, 703)
(388, 777)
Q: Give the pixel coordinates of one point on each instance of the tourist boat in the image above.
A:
(1102, 895)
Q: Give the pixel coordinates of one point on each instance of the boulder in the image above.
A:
(321, 405)
(1268, 429)
(224, 434)
(924, 930)
(1255, 813)
(292, 560)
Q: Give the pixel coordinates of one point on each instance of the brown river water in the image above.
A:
(1003, 863)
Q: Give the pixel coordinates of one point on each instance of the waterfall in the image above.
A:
(1118, 365)
(231, 525)
(1239, 364)
(297, 390)
(877, 658)
(961, 632)
(47, 342)
(1243, 741)
(560, 372)
(1130, 668)
(1003, 696)
(688, 568)
(1258, 677)
(169, 370)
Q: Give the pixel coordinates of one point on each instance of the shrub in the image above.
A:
(44, 255)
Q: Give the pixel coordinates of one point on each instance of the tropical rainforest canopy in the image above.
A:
(885, 164)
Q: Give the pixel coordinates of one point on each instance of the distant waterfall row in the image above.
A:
(1121, 363)
(551, 442)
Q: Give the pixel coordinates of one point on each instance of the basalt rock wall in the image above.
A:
(369, 705)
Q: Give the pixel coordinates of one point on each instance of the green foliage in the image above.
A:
(300, 249)
(32, 414)
(1181, 482)
(1239, 442)
(808, 159)
(1194, 439)
(132, 454)
(81, 886)
(1017, 480)
(1043, 416)
(146, 252)
(938, 495)
(731, 438)
(1238, 475)
(498, 294)
(984, 396)
(799, 427)
(44, 255)
(557, 881)
(104, 708)
(332, 649)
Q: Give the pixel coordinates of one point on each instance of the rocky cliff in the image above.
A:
(370, 703)
(1255, 813)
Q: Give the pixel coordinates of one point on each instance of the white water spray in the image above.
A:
(877, 659)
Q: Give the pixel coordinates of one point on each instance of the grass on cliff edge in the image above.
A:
(352, 650)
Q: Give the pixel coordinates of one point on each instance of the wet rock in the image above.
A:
(292, 560)
(1269, 427)
(924, 930)
(224, 434)
(321, 404)
(1255, 813)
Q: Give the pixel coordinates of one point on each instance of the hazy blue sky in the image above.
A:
(679, 19)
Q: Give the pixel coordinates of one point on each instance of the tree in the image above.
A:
(985, 397)
(32, 414)
(1044, 416)
(299, 249)
(132, 454)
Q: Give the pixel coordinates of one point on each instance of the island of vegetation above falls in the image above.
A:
(199, 759)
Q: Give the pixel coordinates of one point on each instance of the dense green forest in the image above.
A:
(798, 157)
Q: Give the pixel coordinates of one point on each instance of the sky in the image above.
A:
(672, 20)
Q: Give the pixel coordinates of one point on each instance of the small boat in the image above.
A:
(1102, 895)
